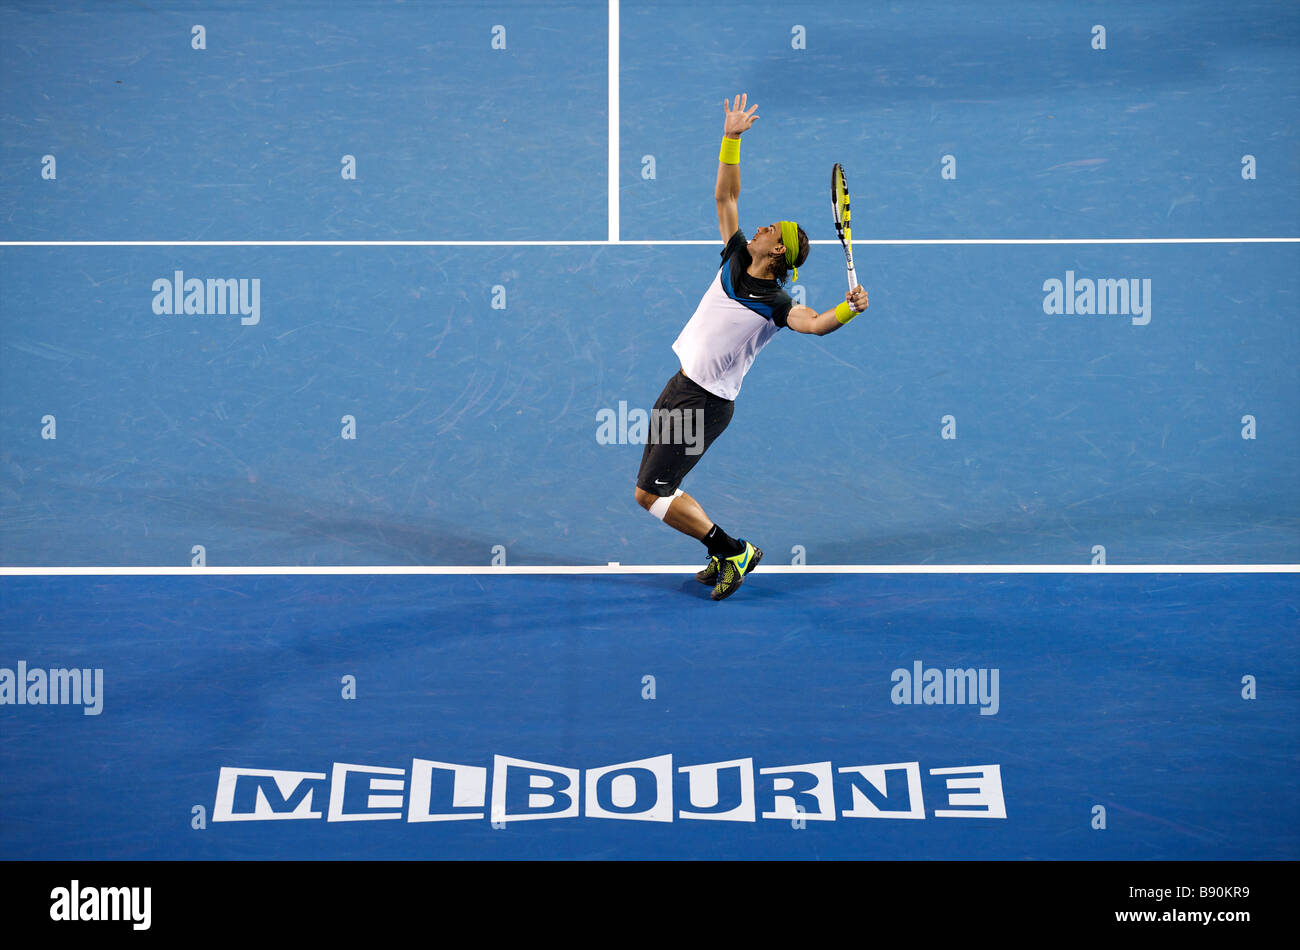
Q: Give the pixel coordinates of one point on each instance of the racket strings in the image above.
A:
(840, 208)
(840, 201)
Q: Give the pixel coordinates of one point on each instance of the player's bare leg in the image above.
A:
(684, 514)
(730, 559)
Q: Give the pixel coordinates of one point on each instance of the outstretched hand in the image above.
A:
(739, 119)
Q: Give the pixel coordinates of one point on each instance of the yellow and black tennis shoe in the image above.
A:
(710, 573)
(732, 570)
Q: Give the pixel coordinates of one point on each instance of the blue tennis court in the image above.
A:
(1120, 691)
(442, 252)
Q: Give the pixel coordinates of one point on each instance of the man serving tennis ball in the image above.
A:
(741, 311)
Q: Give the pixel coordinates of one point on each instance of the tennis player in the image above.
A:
(741, 311)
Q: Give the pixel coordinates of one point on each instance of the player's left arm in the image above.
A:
(739, 116)
(808, 320)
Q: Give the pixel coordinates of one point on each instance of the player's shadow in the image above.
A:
(691, 588)
(758, 587)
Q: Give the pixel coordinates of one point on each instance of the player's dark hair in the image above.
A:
(780, 269)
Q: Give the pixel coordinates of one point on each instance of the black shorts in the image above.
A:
(683, 424)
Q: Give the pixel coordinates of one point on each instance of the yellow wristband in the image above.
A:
(844, 313)
(730, 152)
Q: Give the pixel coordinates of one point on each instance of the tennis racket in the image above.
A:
(840, 207)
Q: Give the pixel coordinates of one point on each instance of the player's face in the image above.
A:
(766, 239)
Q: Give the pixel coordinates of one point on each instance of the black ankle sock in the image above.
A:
(721, 544)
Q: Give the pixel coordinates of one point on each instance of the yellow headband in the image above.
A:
(790, 238)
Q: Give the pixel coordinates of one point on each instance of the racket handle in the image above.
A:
(853, 277)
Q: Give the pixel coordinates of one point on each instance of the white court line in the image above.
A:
(675, 569)
(613, 121)
(900, 242)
